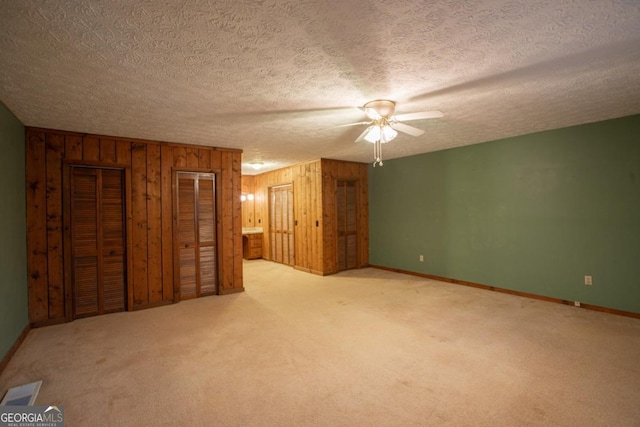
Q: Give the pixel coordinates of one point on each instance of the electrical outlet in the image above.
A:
(588, 280)
(421, 258)
(576, 303)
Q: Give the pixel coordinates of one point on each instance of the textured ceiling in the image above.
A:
(275, 77)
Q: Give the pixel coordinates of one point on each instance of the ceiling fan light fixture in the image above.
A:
(380, 108)
(380, 133)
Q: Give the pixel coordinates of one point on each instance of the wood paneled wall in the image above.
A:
(148, 167)
(314, 186)
(248, 206)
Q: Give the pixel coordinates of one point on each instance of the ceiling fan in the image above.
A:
(384, 126)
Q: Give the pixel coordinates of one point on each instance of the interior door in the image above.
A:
(196, 256)
(98, 264)
(281, 224)
(347, 225)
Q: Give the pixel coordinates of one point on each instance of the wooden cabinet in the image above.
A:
(252, 246)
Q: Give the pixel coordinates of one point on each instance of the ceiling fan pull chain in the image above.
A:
(377, 153)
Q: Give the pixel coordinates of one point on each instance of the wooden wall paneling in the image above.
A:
(193, 157)
(301, 228)
(91, 148)
(36, 227)
(128, 207)
(149, 246)
(108, 152)
(123, 152)
(140, 225)
(180, 157)
(329, 214)
(248, 206)
(318, 242)
(73, 147)
(166, 194)
(226, 239)
(204, 158)
(55, 145)
(236, 167)
(154, 224)
(216, 159)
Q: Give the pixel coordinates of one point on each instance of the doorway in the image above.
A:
(98, 255)
(347, 214)
(195, 259)
(281, 224)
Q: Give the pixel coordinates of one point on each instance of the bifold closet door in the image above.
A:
(97, 241)
(196, 234)
(347, 225)
(281, 224)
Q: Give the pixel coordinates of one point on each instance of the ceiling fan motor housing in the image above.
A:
(383, 107)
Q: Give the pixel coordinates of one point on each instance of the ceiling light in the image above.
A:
(256, 165)
(382, 133)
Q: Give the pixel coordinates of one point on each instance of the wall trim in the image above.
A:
(7, 357)
(511, 292)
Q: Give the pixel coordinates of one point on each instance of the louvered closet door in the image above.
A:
(347, 225)
(196, 235)
(97, 241)
(281, 224)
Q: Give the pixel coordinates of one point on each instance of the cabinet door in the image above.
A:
(196, 254)
(97, 241)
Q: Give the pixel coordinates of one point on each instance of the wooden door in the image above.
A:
(98, 264)
(196, 253)
(347, 225)
(281, 224)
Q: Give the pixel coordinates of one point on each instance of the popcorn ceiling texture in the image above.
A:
(275, 77)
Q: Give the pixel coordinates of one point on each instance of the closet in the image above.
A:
(195, 228)
(98, 256)
(281, 224)
(346, 221)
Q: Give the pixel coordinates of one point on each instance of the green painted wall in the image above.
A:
(14, 315)
(534, 213)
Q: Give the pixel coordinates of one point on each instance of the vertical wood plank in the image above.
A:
(73, 147)
(154, 221)
(236, 159)
(36, 227)
(227, 238)
(193, 157)
(166, 157)
(91, 148)
(216, 159)
(140, 225)
(179, 157)
(204, 158)
(108, 150)
(123, 152)
(55, 145)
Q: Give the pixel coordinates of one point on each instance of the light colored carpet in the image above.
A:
(360, 348)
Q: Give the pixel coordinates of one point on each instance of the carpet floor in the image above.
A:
(360, 348)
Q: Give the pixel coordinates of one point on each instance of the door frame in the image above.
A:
(174, 202)
(67, 168)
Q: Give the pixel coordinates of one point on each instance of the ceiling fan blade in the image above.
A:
(419, 116)
(361, 137)
(401, 127)
(353, 124)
